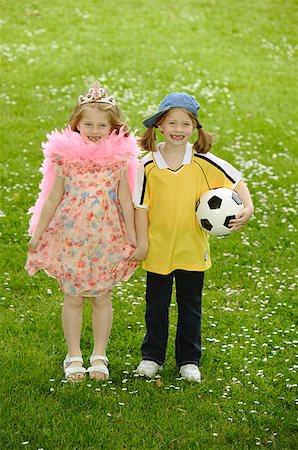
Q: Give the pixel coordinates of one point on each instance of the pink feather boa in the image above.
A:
(71, 147)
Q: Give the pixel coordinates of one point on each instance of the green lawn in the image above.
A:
(240, 60)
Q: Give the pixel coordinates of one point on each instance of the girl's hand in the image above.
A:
(33, 243)
(139, 254)
(134, 242)
(241, 219)
(133, 239)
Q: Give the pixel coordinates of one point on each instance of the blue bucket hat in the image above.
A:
(173, 100)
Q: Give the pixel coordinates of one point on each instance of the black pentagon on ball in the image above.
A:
(214, 202)
(236, 198)
(206, 224)
(227, 221)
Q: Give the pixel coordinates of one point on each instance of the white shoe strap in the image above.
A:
(99, 358)
(74, 370)
(100, 369)
(71, 359)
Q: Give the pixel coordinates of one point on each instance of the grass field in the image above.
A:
(240, 60)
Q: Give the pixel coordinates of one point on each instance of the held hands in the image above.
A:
(140, 250)
(139, 253)
(33, 243)
(133, 239)
(241, 219)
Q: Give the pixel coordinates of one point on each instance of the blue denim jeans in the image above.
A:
(189, 287)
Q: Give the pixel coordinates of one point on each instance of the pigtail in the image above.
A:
(148, 140)
(204, 141)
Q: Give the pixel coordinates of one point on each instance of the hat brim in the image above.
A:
(151, 121)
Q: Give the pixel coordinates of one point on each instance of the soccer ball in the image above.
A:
(216, 208)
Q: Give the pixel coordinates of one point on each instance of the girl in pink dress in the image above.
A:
(82, 226)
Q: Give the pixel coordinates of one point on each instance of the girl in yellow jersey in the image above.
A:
(171, 179)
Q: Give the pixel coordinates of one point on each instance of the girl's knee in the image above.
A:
(102, 300)
(73, 300)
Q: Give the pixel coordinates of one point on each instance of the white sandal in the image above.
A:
(69, 371)
(99, 368)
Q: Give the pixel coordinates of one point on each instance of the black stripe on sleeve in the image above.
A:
(145, 181)
(215, 165)
(143, 190)
(148, 162)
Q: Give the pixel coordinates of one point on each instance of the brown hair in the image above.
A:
(114, 116)
(202, 145)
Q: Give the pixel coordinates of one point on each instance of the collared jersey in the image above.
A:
(176, 241)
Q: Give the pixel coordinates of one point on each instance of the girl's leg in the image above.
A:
(72, 326)
(102, 320)
(158, 298)
(189, 287)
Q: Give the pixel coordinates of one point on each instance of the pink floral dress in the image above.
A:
(86, 245)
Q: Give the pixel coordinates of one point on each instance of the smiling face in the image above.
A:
(177, 127)
(94, 125)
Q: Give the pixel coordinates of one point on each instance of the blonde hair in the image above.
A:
(114, 116)
(202, 145)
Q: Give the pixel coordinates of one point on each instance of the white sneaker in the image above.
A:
(190, 372)
(148, 368)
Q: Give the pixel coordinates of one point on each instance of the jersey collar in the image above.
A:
(161, 163)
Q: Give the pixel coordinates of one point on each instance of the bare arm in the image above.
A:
(127, 208)
(53, 200)
(243, 217)
(141, 220)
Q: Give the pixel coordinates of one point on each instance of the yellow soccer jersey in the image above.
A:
(176, 241)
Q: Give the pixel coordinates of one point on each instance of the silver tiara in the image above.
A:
(96, 94)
